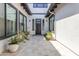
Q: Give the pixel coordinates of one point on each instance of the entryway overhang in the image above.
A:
(51, 9)
(25, 6)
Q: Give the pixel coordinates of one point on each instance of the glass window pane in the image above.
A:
(2, 21)
(51, 23)
(25, 24)
(21, 23)
(10, 20)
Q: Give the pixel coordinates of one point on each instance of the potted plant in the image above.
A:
(27, 34)
(14, 43)
(48, 36)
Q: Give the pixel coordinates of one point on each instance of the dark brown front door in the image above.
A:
(38, 26)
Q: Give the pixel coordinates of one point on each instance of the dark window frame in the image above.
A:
(49, 24)
(43, 23)
(6, 20)
(5, 26)
(5, 36)
(26, 22)
(53, 22)
(22, 20)
(33, 22)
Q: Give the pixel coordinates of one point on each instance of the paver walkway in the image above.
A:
(38, 46)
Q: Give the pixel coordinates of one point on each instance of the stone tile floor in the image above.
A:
(36, 46)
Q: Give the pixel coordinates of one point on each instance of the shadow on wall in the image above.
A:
(66, 11)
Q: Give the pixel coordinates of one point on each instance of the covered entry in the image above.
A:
(38, 26)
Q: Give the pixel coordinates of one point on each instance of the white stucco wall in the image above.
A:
(29, 24)
(67, 25)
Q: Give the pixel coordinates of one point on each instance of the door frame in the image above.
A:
(36, 28)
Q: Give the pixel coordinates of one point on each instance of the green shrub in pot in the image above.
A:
(48, 36)
(27, 35)
(24, 35)
(14, 42)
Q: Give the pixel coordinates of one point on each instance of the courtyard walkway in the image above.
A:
(35, 46)
(38, 46)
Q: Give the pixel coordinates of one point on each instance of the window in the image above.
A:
(21, 23)
(43, 24)
(51, 23)
(40, 5)
(10, 20)
(33, 24)
(2, 21)
(25, 23)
